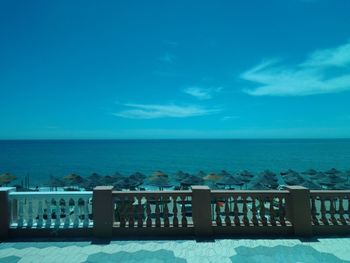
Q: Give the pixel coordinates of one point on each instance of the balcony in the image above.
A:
(196, 212)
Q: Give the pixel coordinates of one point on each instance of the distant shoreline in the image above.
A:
(187, 139)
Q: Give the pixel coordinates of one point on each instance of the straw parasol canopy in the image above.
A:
(293, 178)
(230, 180)
(127, 183)
(56, 182)
(332, 179)
(268, 179)
(138, 176)
(74, 179)
(332, 171)
(259, 186)
(192, 180)
(310, 172)
(201, 173)
(180, 175)
(287, 172)
(161, 182)
(159, 174)
(311, 185)
(224, 173)
(212, 177)
(246, 173)
(7, 178)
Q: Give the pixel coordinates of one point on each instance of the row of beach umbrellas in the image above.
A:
(330, 179)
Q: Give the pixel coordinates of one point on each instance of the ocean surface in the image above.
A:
(40, 159)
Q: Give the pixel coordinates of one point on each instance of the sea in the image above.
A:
(40, 159)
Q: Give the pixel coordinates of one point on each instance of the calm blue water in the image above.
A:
(40, 159)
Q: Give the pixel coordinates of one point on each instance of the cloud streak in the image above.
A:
(167, 58)
(202, 93)
(310, 77)
(155, 111)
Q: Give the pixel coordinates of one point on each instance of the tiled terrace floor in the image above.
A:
(318, 250)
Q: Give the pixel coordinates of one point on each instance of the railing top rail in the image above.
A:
(53, 194)
(144, 193)
(248, 192)
(330, 191)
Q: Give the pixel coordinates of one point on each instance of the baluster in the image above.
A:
(236, 212)
(86, 212)
(58, 213)
(227, 212)
(313, 211)
(282, 212)
(245, 212)
(262, 211)
(48, 213)
(148, 213)
(157, 211)
(166, 213)
(131, 212)
(341, 211)
(20, 212)
(139, 212)
(183, 212)
(40, 213)
(348, 210)
(122, 211)
(67, 213)
(175, 219)
(217, 212)
(76, 212)
(272, 212)
(332, 210)
(30, 213)
(254, 213)
(323, 212)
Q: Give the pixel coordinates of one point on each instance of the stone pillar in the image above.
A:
(4, 212)
(298, 210)
(102, 211)
(201, 211)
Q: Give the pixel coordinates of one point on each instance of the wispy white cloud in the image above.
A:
(155, 111)
(167, 57)
(202, 93)
(307, 78)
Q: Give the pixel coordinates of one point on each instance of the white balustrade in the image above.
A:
(50, 210)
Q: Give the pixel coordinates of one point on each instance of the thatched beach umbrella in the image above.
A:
(224, 173)
(55, 182)
(7, 178)
(138, 176)
(159, 174)
(192, 180)
(269, 179)
(332, 171)
(293, 178)
(229, 181)
(127, 183)
(259, 186)
(332, 179)
(180, 175)
(310, 172)
(212, 177)
(74, 179)
(311, 185)
(201, 173)
(161, 182)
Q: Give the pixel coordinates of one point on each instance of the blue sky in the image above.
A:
(174, 69)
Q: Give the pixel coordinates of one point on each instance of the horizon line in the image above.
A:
(168, 139)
